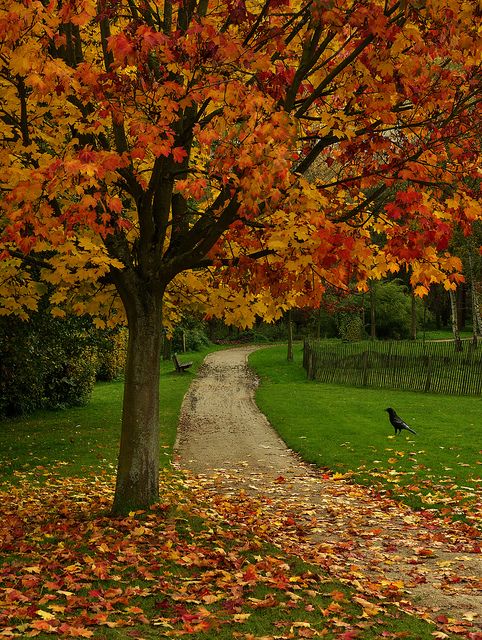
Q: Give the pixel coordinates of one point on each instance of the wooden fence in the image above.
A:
(434, 367)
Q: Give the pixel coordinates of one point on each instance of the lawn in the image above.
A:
(346, 430)
(83, 439)
(69, 570)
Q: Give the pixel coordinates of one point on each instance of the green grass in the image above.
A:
(345, 429)
(61, 523)
(442, 334)
(83, 439)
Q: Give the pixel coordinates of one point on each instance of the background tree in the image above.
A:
(152, 154)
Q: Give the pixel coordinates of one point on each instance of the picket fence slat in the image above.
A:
(435, 367)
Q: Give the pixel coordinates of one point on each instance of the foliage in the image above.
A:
(321, 323)
(263, 332)
(102, 105)
(21, 386)
(47, 362)
(259, 332)
(111, 353)
(193, 566)
(393, 312)
(231, 156)
(190, 335)
(350, 327)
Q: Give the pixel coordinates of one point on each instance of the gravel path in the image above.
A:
(222, 428)
(371, 542)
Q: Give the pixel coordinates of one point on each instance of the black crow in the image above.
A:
(397, 422)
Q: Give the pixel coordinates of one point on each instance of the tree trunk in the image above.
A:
(373, 312)
(455, 325)
(137, 484)
(413, 324)
(289, 320)
(476, 317)
(461, 305)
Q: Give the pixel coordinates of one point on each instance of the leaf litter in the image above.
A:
(427, 565)
(223, 546)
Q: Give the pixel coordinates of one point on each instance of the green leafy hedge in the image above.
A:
(52, 363)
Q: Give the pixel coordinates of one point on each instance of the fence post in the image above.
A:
(310, 365)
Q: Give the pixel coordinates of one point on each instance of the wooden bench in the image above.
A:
(180, 366)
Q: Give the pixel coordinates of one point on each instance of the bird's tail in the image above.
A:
(411, 430)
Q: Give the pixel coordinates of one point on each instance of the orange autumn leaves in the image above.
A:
(199, 561)
(267, 150)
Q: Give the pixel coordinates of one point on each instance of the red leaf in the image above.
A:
(178, 153)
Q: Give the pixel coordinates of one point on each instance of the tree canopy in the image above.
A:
(244, 153)
(276, 137)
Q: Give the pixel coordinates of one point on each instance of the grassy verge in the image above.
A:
(183, 568)
(83, 439)
(346, 430)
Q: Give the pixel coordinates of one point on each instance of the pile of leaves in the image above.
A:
(199, 562)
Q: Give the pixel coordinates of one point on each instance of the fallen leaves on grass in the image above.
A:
(407, 479)
(200, 560)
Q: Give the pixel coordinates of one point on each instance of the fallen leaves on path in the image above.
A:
(202, 560)
(416, 559)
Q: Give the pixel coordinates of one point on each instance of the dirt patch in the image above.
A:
(375, 544)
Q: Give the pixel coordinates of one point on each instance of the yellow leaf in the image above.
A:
(58, 313)
(57, 608)
(34, 569)
(420, 291)
(241, 617)
(45, 615)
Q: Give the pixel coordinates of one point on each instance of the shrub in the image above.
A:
(350, 327)
(393, 310)
(21, 373)
(71, 383)
(46, 363)
(111, 353)
(191, 334)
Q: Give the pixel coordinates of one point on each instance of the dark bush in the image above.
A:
(190, 335)
(46, 362)
(393, 310)
(111, 353)
(350, 327)
(21, 371)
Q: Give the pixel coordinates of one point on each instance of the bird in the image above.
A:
(397, 422)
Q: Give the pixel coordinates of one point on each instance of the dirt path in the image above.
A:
(375, 544)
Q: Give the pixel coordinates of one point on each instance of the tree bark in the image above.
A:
(413, 311)
(289, 321)
(476, 317)
(137, 484)
(455, 325)
(373, 311)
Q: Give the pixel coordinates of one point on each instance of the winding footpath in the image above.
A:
(380, 547)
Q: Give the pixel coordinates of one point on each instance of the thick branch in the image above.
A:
(205, 233)
(233, 262)
(318, 92)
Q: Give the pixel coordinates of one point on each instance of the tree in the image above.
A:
(467, 250)
(155, 154)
